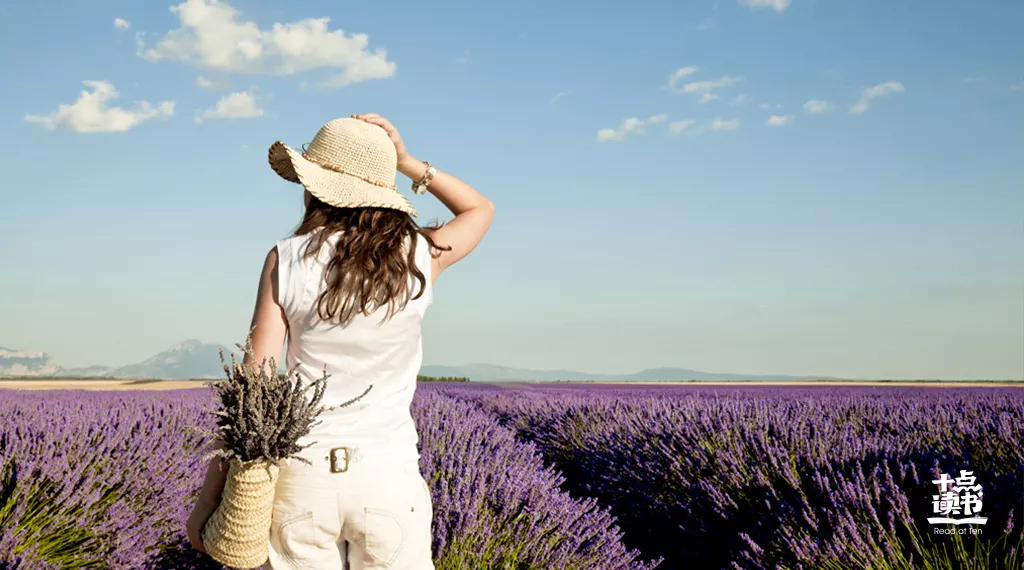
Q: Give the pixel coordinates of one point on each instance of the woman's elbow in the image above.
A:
(487, 207)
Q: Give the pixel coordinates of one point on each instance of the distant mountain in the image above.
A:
(25, 363)
(194, 359)
(189, 359)
(491, 373)
(86, 372)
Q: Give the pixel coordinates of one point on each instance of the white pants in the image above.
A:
(374, 514)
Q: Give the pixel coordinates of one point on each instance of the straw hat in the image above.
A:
(349, 164)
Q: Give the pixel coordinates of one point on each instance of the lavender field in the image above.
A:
(563, 477)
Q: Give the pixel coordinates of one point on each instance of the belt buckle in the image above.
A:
(334, 459)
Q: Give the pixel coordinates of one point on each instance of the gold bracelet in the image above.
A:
(421, 186)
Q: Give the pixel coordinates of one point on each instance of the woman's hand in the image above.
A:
(375, 119)
(473, 212)
(201, 513)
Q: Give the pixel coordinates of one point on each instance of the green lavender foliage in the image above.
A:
(260, 415)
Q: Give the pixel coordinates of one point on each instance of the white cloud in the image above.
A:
(779, 120)
(676, 127)
(677, 75)
(464, 58)
(220, 83)
(871, 93)
(818, 106)
(739, 100)
(90, 113)
(1017, 86)
(777, 5)
(764, 106)
(122, 24)
(557, 96)
(211, 36)
(241, 105)
(973, 79)
(719, 124)
(631, 125)
(705, 89)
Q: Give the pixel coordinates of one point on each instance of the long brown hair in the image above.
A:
(368, 268)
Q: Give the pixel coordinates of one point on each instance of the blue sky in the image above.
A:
(750, 186)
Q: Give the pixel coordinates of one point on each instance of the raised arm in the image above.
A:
(473, 212)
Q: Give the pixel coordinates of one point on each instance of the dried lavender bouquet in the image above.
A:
(260, 418)
(262, 415)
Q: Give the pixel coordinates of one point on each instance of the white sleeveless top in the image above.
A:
(360, 353)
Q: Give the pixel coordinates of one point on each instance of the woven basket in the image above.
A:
(238, 533)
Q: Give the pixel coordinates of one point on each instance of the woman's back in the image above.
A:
(367, 350)
(344, 296)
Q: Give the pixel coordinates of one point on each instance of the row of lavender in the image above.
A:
(767, 478)
(106, 480)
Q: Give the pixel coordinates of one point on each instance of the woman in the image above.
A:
(349, 289)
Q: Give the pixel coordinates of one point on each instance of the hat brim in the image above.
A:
(334, 188)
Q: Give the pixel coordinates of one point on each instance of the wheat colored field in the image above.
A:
(107, 384)
(89, 384)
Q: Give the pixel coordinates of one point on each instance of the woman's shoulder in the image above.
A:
(292, 244)
(284, 245)
(290, 239)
